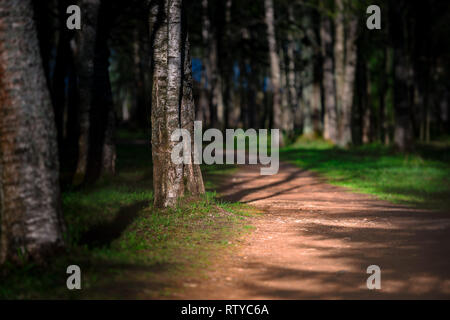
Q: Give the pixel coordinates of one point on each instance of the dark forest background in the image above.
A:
(337, 79)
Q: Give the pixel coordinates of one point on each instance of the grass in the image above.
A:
(126, 248)
(420, 179)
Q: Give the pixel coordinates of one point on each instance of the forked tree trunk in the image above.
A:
(31, 222)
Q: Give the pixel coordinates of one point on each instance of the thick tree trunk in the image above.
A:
(166, 24)
(31, 222)
(274, 68)
(330, 131)
(86, 38)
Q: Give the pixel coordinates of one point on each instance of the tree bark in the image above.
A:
(403, 134)
(291, 85)
(58, 91)
(211, 61)
(31, 222)
(193, 180)
(165, 22)
(274, 68)
(86, 38)
(345, 138)
(330, 130)
(102, 151)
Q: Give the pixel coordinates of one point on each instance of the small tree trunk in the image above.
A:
(31, 222)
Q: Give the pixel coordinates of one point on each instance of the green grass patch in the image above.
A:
(126, 248)
(420, 179)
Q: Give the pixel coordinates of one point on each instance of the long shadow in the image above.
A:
(413, 255)
(240, 194)
(103, 234)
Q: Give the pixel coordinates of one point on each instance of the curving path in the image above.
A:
(315, 241)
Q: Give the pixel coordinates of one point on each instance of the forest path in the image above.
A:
(315, 241)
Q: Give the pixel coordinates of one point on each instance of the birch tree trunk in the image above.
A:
(85, 54)
(31, 222)
(274, 68)
(165, 23)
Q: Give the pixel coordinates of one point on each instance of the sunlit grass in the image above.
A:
(421, 178)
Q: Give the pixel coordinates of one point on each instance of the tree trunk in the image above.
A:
(86, 38)
(211, 61)
(339, 52)
(102, 151)
(310, 92)
(165, 22)
(345, 138)
(31, 222)
(291, 85)
(58, 85)
(274, 68)
(403, 134)
(330, 130)
(193, 180)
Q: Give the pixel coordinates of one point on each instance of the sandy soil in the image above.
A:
(315, 241)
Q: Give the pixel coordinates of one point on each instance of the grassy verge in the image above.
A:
(124, 247)
(420, 179)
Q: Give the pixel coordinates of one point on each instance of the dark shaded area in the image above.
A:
(103, 234)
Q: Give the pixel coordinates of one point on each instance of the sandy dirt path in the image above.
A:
(315, 241)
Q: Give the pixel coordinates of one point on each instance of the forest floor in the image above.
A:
(309, 231)
(315, 241)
